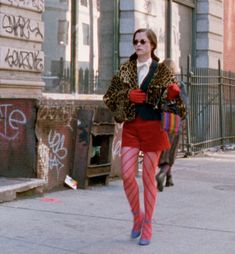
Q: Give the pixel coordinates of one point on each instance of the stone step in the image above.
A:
(11, 187)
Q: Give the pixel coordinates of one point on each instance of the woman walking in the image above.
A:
(134, 97)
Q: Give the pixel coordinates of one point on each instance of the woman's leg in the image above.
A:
(150, 163)
(169, 180)
(161, 176)
(172, 157)
(129, 160)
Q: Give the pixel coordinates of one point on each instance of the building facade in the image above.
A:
(94, 37)
(83, 42)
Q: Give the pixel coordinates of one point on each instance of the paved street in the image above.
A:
(195, 216)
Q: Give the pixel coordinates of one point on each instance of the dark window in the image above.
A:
(190, 3)
(85, 31)
(80, 52)
(98, 5)
(63, 27)
(84, 3)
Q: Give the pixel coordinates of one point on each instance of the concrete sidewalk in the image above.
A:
(195, 216)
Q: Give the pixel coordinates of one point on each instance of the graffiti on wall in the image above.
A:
(20, 59)
(11, 119)
(36, 5)
(43, 160)
(21, 27)
(51, 155)
(17, 137)
(117, 141)
(116, 150)
(58, 151)
(57, 113)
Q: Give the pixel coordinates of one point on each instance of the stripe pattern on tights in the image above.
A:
(129, 167)
(150, 163)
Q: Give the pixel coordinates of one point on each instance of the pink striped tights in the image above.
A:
(142, 221)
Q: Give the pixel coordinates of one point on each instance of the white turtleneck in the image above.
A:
(143, 69)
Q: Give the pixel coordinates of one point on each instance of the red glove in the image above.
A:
(137, 96)
(173, 91)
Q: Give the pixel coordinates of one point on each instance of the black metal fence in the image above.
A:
(211, 111)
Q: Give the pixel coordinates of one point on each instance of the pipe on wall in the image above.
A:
(73, 70)
(169, 30)
(116, 23)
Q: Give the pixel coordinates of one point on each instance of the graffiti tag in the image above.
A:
(117, 141)
(25, 60)
(57, 150)
(21, 27)
(37, 5)
(10, 121)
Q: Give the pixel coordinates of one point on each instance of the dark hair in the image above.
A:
(152, 38)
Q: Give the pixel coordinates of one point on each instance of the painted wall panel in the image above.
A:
(55, 133)
(17, 137)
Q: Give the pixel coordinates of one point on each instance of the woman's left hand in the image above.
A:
(173, 91)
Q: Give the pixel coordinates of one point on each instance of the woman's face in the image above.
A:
(142, 46)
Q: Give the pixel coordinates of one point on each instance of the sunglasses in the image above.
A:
(142, 42)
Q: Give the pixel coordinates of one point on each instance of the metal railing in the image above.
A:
(211, 111)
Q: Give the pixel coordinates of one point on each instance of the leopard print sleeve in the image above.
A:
(157, 88)
(117, 100)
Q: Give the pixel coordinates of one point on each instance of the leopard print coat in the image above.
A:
(117, 96)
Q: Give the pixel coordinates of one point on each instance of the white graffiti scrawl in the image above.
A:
(36, 5)
(10, 121)
(57, 150)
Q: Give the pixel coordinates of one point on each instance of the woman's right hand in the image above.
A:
(137, 96)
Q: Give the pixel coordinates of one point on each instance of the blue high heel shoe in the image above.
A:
(136, 233)
(144, 242)
(147, 226)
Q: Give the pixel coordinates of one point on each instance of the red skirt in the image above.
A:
(147, 135)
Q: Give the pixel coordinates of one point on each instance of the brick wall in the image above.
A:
(229, 35)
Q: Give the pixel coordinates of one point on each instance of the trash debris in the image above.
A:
(71, 182)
